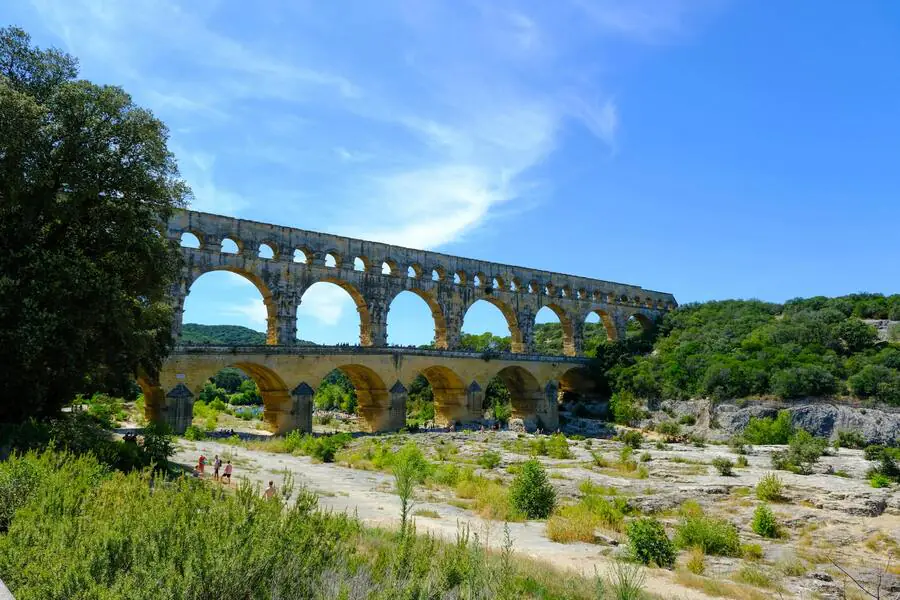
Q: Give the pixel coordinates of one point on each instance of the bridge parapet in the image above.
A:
(283, 262)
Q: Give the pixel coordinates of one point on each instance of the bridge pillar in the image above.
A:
(454, 316)
(279, 411)
(396, 417)
(474, 402)
(525, 320)
(282, 322)
(620, 322)
(179, 292)
(179, 408)
(377, 326)
(575, 345)
(547, 410)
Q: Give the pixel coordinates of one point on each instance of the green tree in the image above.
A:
(531, 491)
(85, 181)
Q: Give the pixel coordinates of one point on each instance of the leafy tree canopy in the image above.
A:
(86, 179)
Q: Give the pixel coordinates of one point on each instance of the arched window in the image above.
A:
(359, 264)
(229, 246)
(514, 284)
(533, 287)
(189, 240)
(388, 267)
(300, 256)
(266, 251)
(459, 278)
(414, 271)
(476, 280)
(331, 260)
(436, 275)
(497, 283)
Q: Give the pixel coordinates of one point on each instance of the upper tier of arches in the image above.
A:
(206, 233)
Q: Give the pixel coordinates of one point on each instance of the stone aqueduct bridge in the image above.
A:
(283, 262)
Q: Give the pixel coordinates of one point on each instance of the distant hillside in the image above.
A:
(224, 335)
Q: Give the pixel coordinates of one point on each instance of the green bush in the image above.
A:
(714, 536)
(876, 381)
(649, 544)
(723, 465)
(632, 439)
(764, 522)
(797, 382)
(803, 452)
(877, 480)
(194, 433)
(741, 462)
(850, 439)
(688, 420)
(625, 409)
(531, 492)
(768, 431)
(489, 459)
(769, 488)
(670, 429)
(558, 447)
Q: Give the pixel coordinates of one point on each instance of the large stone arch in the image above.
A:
(375, 400)
(362, 307)
(437, 314)
(450, 395)
(608, 322)
(525, 394)
(577, 384)
(512, 321)
(277, 403)
(264, 290)
(568, 327)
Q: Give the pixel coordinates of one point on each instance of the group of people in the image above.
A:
(268, 493)
(217, 466)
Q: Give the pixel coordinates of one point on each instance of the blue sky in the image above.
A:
(711, 148)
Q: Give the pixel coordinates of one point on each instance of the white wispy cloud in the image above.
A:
(326, 304)
(252, 312)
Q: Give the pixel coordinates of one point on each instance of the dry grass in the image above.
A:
(719, 587)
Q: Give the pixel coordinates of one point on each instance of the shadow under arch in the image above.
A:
(576, 384)
(515, 334)
(362, 307)
(437, 314)
(525, 393)
(374, 399)
(264, 291)
(450, 397)
(277, 402)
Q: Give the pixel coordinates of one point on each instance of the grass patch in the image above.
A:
(718, 587)
(427, 513)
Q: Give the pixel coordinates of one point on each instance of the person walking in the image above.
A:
(217, 465)
(269, 491)
(227, 473)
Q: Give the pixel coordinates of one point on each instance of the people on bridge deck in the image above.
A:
(269, 491)
(227, 473)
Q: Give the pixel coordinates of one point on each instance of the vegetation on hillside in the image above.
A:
(85, 180)
(739, 348)
(225, 335)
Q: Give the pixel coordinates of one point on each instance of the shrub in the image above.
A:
(634, 439)
(850, 439)
(599, 460)
(646, 457)
(696, 563)
(764, 522)
(876, 381)
(751, 551)
(624, 408)
(698, 441)
(714, 536)
(741, 462)
(670, 429)
(769, 488)
(738, 444)
(877, 480)
(194, 433)
(558, 447)
(489, 459)
(649, 544)
(688, 420)
(531, 491)
(723, 465)
(803, 452)
(770, 431)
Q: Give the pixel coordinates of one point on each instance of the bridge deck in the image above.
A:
(269, 349)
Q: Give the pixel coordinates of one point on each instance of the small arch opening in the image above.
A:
(435, 275)
(533, 287)
(300, 256)
(476, 280)
(514, 284)
(266, 252)
(414, 271)
(565, 292)
(388, 267)
(331, 261)
(550, 290)
(359, 264)
(189, 240)
(229, 246)
(497, 283)
(459, 278)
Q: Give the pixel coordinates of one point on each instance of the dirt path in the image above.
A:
(367, 494)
